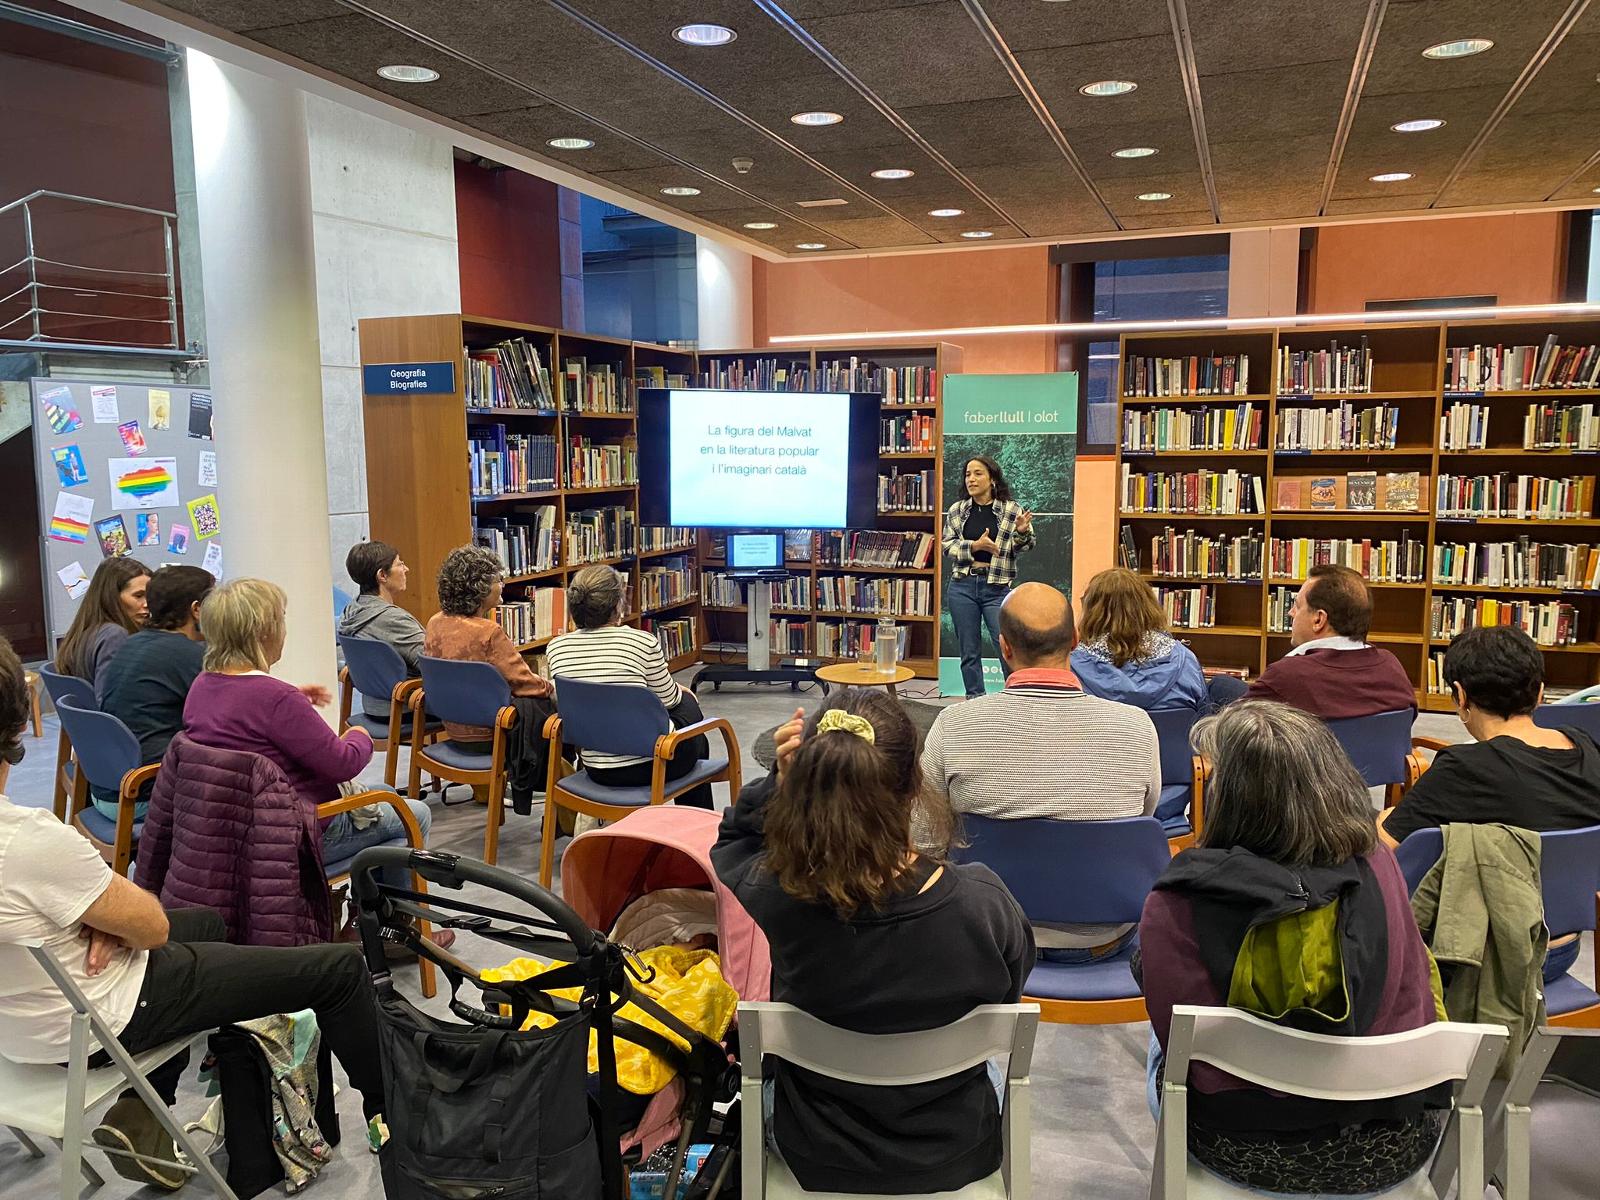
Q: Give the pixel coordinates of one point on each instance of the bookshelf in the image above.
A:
(1370, 403)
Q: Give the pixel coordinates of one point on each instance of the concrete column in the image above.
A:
(724, 295)
(253, 199)
(1264, 272)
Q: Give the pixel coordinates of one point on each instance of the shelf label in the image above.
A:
(408, 379)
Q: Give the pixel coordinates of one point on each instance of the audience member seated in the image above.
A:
(154, 976)
(146, 684)
(601, 649)
(1127, 653)
(380, 574)
(869, 933)
(1043, 747)
(1290, 909)
(1512, 772)
(1332, 672)
(111, 611)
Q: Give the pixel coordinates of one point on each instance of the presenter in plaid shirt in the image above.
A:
(983, 534)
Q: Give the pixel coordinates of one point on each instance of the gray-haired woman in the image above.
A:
(601, 649)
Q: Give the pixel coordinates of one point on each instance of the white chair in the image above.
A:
(1327, 1068)
(1511, 1127)
(887, 1060)
(54, 1103)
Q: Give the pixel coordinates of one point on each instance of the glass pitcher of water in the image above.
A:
(888, 645)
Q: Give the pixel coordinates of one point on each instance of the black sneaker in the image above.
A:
(129, 1126)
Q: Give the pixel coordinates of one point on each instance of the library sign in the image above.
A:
(409, 379)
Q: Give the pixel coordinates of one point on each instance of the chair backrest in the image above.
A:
(1172, 741)
(613, 718)
(1571, 716)
(376, 668)
(1088, 872)
(67, 687)
(1377, 745)
(464, 693)
(1569, 872)
(106, 748)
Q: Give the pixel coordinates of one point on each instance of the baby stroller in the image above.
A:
(483, 1108)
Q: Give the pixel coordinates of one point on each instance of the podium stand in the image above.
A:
(758, 666)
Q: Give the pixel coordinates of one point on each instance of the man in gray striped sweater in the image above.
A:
(1045, 748)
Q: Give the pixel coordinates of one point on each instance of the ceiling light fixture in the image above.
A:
(1134, 152)
(893, 173)
(977, 233)
(1155, 196)
(811, 245)
(704, 35)
(404, 73)
(760, 224)
(1108, 87)
(680, 191)
(570, 143)
(1461, 48)
(816, 118)
(946, 212)
(1421, 126)
(1391, 177)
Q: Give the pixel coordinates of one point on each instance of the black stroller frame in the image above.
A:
(604, 970)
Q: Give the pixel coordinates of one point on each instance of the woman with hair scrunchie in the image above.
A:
(871, 931)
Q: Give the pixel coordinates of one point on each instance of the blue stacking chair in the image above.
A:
(1569, 876)
(108, 757)
(1380, 747)
(619, 718)
(1085, 872)
(68, 781)
(1181, 807)
(1571, 716)
(376, 669)
(464, 693)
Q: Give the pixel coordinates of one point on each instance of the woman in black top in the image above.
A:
(983, 534)
(870, 934)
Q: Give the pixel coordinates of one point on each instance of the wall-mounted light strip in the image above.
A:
(1113, 328)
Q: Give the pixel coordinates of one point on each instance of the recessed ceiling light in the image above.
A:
(1596, 191)
(1134, 152)
(1108, 87)
(1421, 126)
(760, 224)
(977, 233)
(946, 212)
(680, 191)
(816, 118)
(571, 143)
(1390, 177)
(402, 73)
(1155, 196)
(1461, 48)
(811, 245)
(893, 173)
(704, 35)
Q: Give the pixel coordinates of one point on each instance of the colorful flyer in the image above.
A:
(147, 529)
(132, 438)
(59, 410)
(208, 468)
(178, 540)
(69, 465)
(206, 517)
(73, 579)
(71, 520)
(213, 560)
(143, 483)
(160, 409)
(113, 535)
(104, 400)
(200, 415)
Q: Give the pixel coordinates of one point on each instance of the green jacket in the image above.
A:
(1481, 911)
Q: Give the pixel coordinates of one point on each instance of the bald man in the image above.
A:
(1045, 748)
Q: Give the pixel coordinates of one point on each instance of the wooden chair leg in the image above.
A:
(547, 840)
(63, 757)
(392, 766)
(491, 828)
(430, 986)
(33, 699)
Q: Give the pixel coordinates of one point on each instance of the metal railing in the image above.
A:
(37, 291)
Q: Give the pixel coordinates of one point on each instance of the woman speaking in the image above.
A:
(983, 534)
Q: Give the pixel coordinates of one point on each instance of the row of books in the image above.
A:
(882, 594)
(508, 375)
(1547, 622)
(874, 548)
(1464, 426)
(600, 533)
(1280, 605)
(786, 636)
(1235, 427)
(906, 491)
(897, 385)
(1189, 608)
(1482, 368)
(1561, 427)
(911, 433)
(1187, 375)
(540, 615)
(1203, 556)
(659, 377)
(1343, 428)
(666, 537)
(756, 375)
(1520, 563)
(666, 581)
(1390, 560)
(525, 543)
(516, 462)
(602, 464)
(1219, 492)
(676, 635)
(1354, 491)
(1504, 494)
(846, 639)
(594, 388)
(721, 591)
(1336, 369)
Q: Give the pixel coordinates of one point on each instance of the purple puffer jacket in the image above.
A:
(226, 831)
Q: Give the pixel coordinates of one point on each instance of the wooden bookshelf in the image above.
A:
(1409, 372)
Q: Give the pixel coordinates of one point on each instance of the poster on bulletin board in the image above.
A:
(124, 469)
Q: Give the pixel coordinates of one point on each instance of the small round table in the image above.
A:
(849, 674)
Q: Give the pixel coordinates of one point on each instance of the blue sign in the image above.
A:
(408, 379)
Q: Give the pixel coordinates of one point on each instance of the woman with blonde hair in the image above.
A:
(1126, 652)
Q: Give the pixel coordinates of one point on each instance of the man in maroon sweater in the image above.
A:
(1332, 671)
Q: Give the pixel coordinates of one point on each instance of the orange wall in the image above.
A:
(1515, 257)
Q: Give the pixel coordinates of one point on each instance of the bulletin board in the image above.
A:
(124, 469)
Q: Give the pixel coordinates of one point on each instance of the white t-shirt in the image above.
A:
(49, 876)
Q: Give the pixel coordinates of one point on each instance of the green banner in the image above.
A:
(1029, 425)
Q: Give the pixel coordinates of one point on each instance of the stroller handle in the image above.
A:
(452, 871)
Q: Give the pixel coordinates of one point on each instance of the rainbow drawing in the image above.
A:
(145, 482)
(65, 529)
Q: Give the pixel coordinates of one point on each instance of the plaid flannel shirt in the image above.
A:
(1008, 542)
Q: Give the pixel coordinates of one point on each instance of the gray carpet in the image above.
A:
(922, 715)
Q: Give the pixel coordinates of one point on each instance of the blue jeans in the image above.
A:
(1078, 956)
(974, 603)
(341, 838)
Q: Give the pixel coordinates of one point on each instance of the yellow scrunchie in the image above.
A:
(838, 719)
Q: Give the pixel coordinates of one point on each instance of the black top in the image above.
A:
(982, 519)
(1507, 781)
(145, 686)
(928, 959)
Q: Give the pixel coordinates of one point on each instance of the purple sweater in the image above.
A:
(269, 717)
